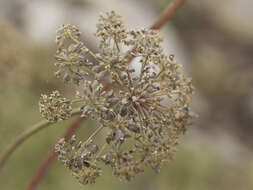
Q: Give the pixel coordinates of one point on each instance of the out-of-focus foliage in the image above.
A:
(14, 62)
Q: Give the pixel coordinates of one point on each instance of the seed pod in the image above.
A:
(100, 76)
(134, 128)
(106, 159)
(94, 149)
(66, 78)
(86, 164)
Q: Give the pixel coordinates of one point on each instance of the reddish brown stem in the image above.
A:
(49, 157)
(167, 13)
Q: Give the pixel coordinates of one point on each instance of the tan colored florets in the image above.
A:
(54, 108)
(142, 113)
(66, 32)
(79, 158)
(110, 28)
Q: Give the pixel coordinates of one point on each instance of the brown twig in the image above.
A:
(49, 157)
(166, 14)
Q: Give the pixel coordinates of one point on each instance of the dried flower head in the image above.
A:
(110, 29)
(54, 108)
(79, 158)
(142, 113)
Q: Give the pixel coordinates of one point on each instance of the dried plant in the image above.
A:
(142, 113)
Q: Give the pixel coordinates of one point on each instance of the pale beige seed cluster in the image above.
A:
(79, 158)
(141, 114)
(54, 108)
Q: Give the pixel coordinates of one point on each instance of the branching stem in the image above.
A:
(24, 136)
(50, 156)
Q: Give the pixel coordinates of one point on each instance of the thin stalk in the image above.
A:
(100, 152)
(24, 136)
(143, 66)
(79, 100)
(89, 51)
(95, 133)
(116, 43)
(173, 6)
(50, 156)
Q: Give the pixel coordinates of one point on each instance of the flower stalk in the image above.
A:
(25, 135)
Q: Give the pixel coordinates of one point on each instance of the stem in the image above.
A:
(143, 66)
(95, 133)
(89, 70)
(117, 45)
(100, 152)
(173, 6)
(25, 135)
(89, 51)
(77, 100)
(84, 68)
(49, 157)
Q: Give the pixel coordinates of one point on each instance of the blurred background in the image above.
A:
(213, 40)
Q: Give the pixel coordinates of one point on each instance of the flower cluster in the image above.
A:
(54, 107)
(110, 29)
(142, 114)
(79, 158)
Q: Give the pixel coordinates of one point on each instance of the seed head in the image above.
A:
(54, 108)
(79, 158)
(142, 114)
